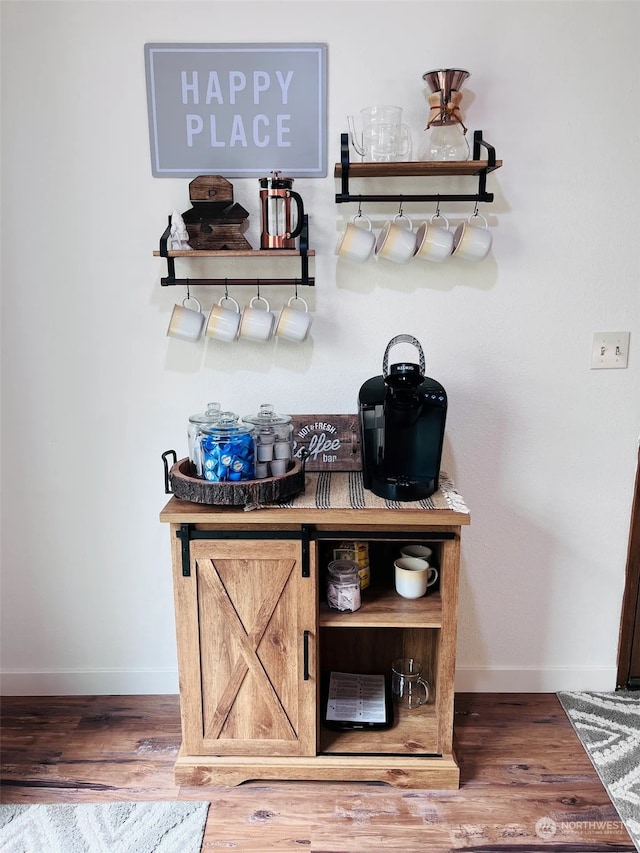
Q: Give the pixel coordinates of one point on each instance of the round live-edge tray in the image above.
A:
(180, 482)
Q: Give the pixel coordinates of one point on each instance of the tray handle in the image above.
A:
(167, 485)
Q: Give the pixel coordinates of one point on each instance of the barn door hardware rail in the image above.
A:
(303, 252)
(188, 532)
(345, 170)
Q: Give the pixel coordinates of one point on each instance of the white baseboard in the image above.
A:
(98, 682)
(470, 679)
(492, 679)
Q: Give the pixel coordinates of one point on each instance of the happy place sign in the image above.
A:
(238, 110)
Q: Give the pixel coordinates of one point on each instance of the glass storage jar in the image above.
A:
(274, 441)
(228, 449)
(196, 421)
(343, 585)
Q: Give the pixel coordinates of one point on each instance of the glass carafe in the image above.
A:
(384, 138)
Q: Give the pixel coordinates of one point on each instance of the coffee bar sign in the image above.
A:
(238, 110)
(331, 442)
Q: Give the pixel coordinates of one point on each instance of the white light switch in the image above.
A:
(610, 350)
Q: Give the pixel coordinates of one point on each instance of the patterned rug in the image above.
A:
(162, 827)
(608, 725)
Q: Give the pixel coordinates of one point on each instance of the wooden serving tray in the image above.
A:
(280, 489)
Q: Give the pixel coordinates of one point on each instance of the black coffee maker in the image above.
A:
(402, 416)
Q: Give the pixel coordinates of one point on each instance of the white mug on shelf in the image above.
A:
(413, 576)
(423, 552)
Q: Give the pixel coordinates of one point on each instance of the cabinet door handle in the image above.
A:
(305, 654)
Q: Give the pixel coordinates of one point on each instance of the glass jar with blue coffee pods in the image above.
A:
(196, 422)
(228, 450)
(274, 441)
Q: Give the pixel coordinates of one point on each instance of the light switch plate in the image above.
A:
(610, 350)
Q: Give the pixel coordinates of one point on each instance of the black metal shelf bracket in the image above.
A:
(305, 279)
(344, 196)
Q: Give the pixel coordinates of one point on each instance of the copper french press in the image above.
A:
(276, 194)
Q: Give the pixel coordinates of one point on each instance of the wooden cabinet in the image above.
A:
(256, 642)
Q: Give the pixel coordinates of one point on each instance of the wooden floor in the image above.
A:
(520, 762)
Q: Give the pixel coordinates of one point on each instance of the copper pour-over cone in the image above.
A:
(446, 80)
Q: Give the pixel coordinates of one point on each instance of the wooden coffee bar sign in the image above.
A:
(332, 441)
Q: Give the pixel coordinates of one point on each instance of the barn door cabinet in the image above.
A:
(256, 642)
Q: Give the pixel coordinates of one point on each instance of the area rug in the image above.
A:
(608, 725)
(160, 827)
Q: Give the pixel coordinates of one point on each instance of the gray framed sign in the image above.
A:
(238, 110)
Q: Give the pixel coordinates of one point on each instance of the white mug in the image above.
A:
(256, 324)
(356, 243)
(432, 242)
(223, 323)
(186, 323)
(421, 551)
(413, 576)
(294, 325)
(472, 242)
(394, 242)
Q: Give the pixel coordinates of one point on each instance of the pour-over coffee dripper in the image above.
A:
(445, 131)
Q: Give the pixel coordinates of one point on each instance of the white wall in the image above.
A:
(542, 448)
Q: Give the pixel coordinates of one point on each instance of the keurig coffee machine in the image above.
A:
(402, 416)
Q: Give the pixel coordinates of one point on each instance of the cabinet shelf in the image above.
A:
(412, 733)
(476, 167)
(304, 253)
(384, 608)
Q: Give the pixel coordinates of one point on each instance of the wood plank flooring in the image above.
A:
(519, 757)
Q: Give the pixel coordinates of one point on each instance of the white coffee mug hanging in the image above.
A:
(293, 323)
(472, 241)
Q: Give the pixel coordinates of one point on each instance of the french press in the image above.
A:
(277, 224)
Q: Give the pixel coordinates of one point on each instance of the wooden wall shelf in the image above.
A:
(345, 170)
(304, 253)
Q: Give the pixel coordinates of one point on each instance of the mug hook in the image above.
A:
(226, 288)
(188, 294)
(475, 209)
(400, 211)
(438, 207)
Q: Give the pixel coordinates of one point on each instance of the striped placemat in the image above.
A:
(344, 490)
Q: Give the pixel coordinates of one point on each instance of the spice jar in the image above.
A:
(228, 449)
(274, 441)
(343, 585)
(197, 421)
